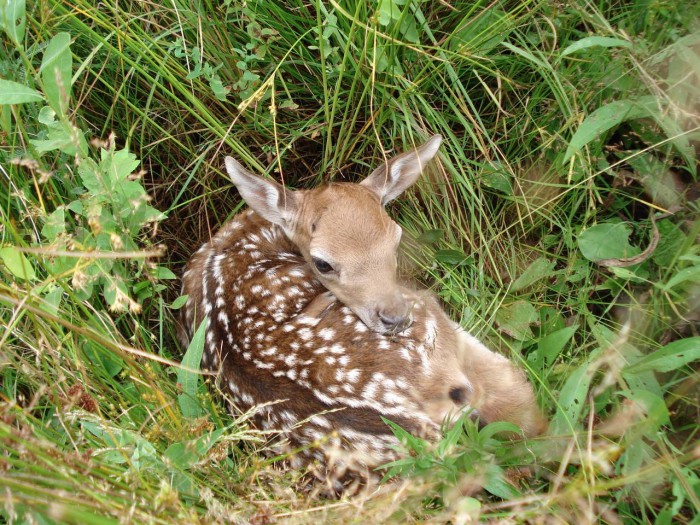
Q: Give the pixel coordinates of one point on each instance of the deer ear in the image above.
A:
(390, 180)
(269, 199)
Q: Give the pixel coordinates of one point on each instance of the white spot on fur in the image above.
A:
(353, 375)
(327, 334)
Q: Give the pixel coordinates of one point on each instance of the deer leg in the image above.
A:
(320, 305)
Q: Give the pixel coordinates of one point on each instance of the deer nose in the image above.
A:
(394, 322)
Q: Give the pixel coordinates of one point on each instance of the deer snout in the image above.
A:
(395, 322)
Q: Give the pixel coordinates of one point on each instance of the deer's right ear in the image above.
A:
(269, 199)
(389, 180)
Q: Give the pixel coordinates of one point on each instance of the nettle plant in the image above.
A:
(110, 211)
(93, 244)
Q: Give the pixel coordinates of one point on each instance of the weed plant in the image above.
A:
(560, 225)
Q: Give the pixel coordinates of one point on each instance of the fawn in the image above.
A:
(306, 318)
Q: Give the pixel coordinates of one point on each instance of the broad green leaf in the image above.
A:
(217, 86)
(607, 241)
(571, 400)
(671, 239)
(47, 116)
(606, 118)
(482, 33)
(56, 72)
(387, 10)
(453, 257)
(692, 274)
(498, 180)
(540, 268)
(636, 455)
(430, 236)
(118, 165)
(515, 319)
(15, 93)
(92, 177)
(551, 345)
(55, 225)
(670, 357)
(595, 41)
(658, 179)
(179, 302)
(13, 19)
(655, 411)
(164, 273)
(114, 290)
(497, 485)
(103, 360)
(62, 136)
(188, 375)
(185, 454)
(52, 299)
(17, 263)
(497, 427)
(637, 274)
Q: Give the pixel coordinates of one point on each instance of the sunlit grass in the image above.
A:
(91, 423)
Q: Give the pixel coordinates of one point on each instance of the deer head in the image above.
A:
(344, 232)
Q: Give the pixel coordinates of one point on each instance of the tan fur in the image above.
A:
(285, 338)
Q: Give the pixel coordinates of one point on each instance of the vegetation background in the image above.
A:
(560, 224)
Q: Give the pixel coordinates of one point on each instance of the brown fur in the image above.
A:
(275, 335)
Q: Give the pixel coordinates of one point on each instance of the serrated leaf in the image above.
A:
(607, 241)
(15, 93)
(595, 41)
(56, 72)
(671, 357)
(17, 263)
(188, 375)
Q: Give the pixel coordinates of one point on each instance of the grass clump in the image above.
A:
(561, 225)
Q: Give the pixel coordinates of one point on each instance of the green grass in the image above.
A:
(566, 126)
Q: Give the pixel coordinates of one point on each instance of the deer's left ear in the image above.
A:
(390, 180)
(271, 200)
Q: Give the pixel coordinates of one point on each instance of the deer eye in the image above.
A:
(458, 395)
(322, 266)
